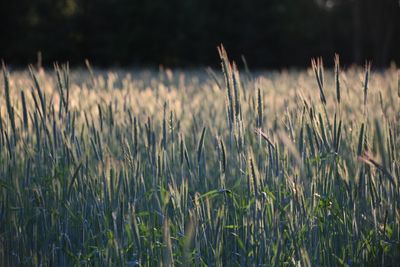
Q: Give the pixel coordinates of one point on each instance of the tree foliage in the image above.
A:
(272, 33)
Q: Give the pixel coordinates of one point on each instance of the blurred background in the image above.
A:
(185, 33)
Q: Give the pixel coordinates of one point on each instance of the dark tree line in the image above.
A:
(270, 33)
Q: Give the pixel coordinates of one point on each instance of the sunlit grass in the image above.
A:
(189, 168)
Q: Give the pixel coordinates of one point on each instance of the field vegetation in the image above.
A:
(203, 168)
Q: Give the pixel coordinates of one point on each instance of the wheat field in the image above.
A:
(200, 168)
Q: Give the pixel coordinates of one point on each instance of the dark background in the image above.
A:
(185, 33)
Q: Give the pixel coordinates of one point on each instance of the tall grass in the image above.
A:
(173, 168)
